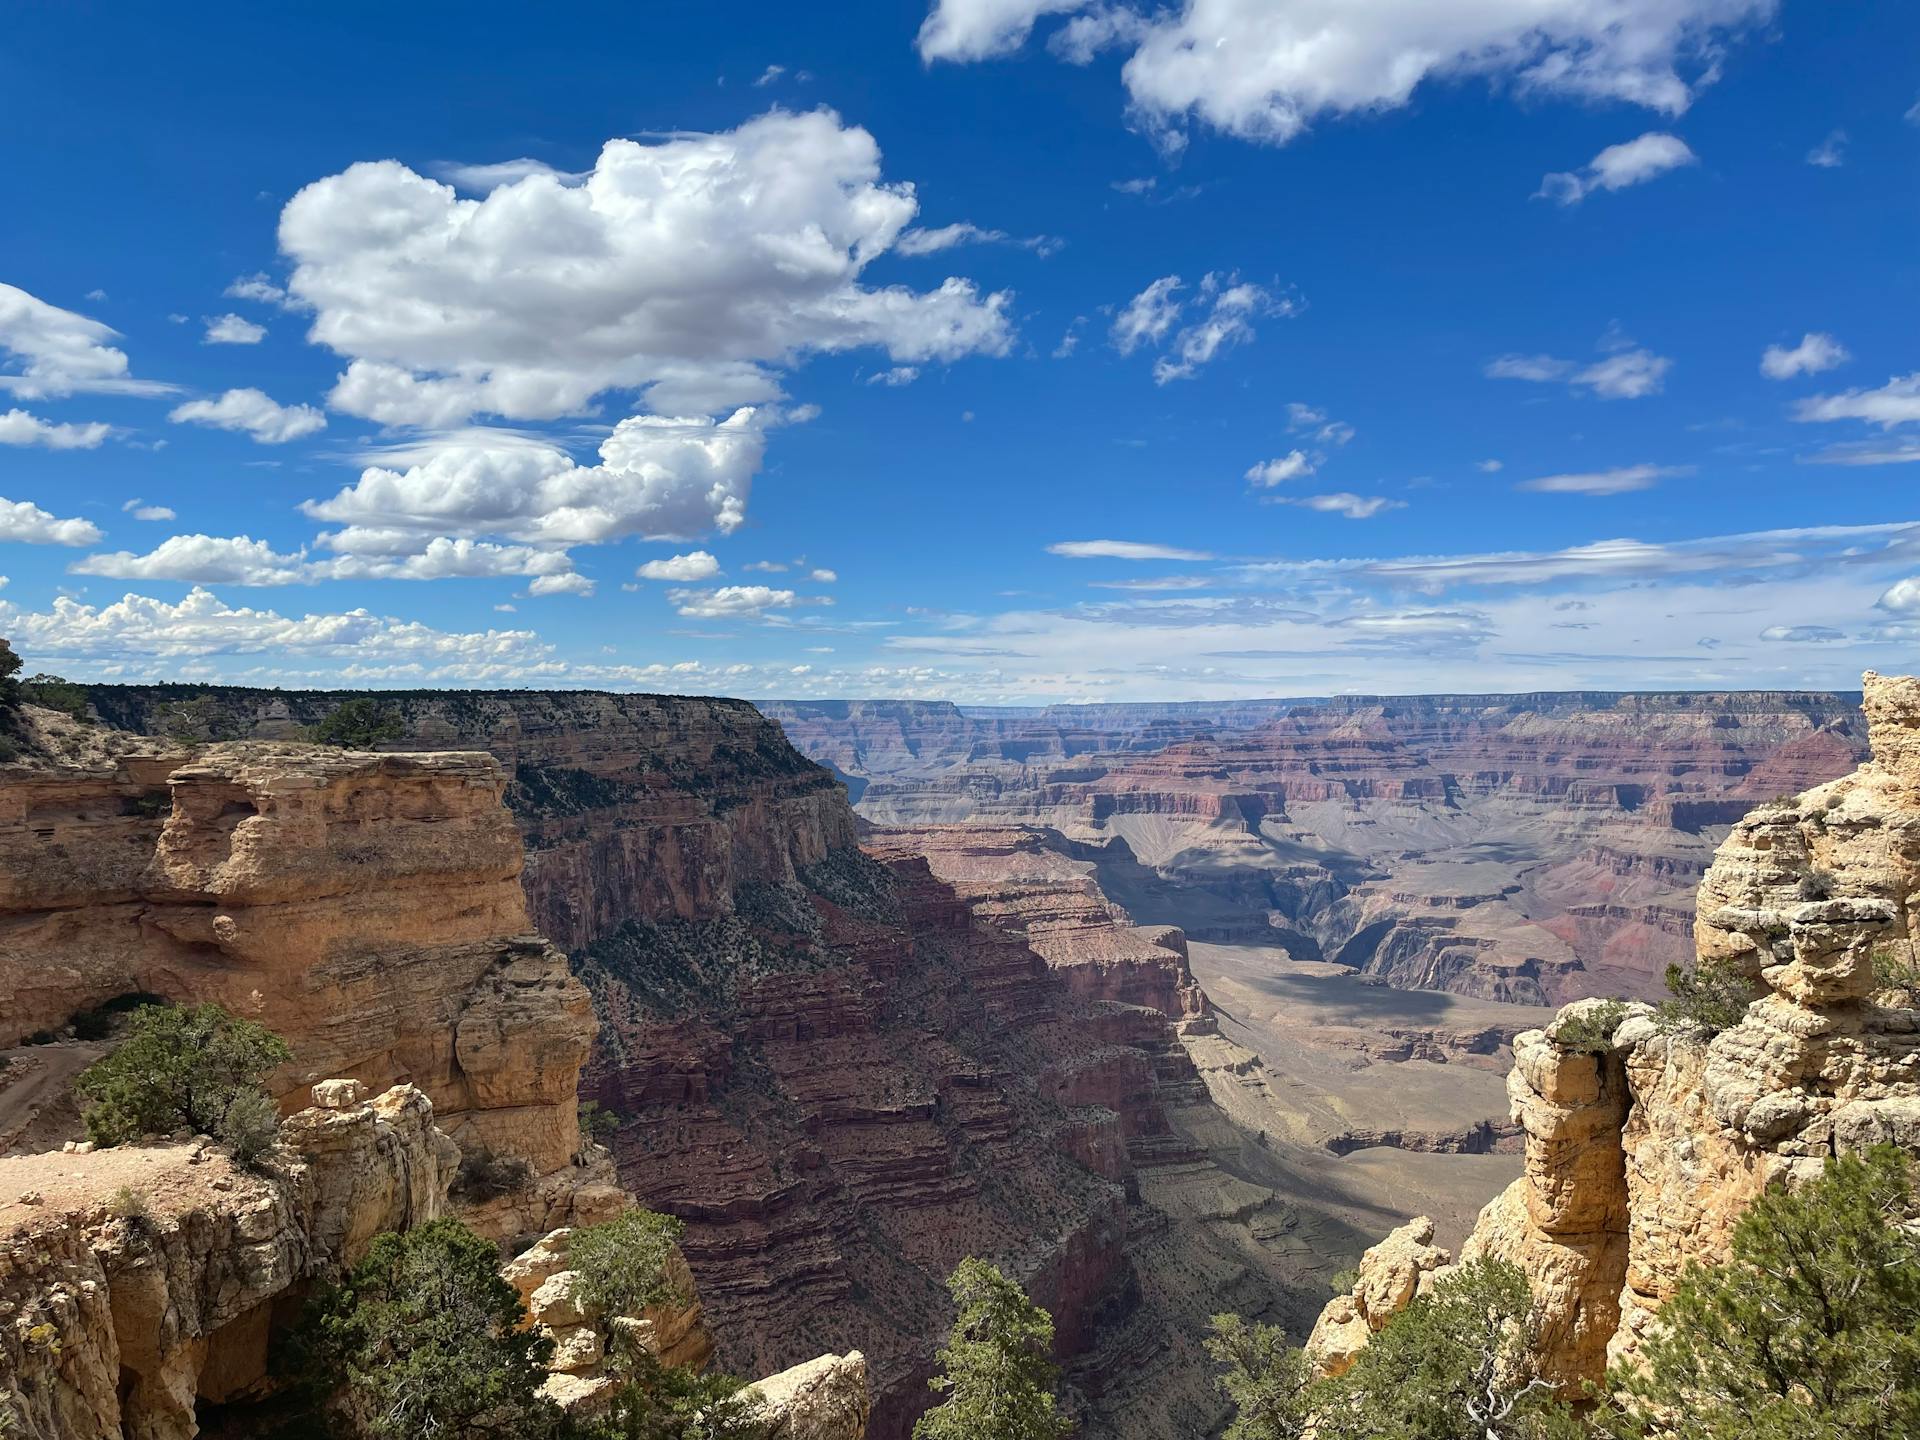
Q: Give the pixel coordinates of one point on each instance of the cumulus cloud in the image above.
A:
(233, 330)
(18, 427)
(141, 511)
(694, 565)
(1903, 597)
(252, 412)
(658, 478)
(56, 352)
(1615, 168)
(242, 560)
(693, 267)
(731, 602)
(1618, 481)
(1354, 507)
(1122, 550)
(1815, 352)
(138, 627)
(1290, 466)
(823, 577)
(1264, 70)
(483, 179)
(28, 524)
(1895, 403)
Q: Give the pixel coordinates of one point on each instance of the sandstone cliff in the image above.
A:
(1643, 1147)
(367, 908)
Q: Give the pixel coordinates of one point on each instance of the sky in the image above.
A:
(999, 351)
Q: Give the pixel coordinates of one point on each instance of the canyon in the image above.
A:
(1645, 1140)
(1166, 1009)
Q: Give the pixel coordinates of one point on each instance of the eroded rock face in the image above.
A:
(367, 908)
(824, 1399)
(1391, 1274)
(139, 1281)
(1529, 848)
(1644, 1147)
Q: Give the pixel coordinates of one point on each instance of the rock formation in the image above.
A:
(1530, 848)
(1646, 1142)
(139, 1281)
(366, 908)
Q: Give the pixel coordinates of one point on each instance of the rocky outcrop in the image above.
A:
(633, 807)
(1645, 1142)
(137, 1282)
(1389, 1276)
(824, 1399)
(365, 907)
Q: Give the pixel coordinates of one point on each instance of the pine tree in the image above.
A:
(1269, 1384)
(1810, 1331)
(994, 1370)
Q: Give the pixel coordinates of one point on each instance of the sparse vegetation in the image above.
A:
(1807, 1332)
(597, 1123)
(622, 1264)
(995, 1371)
(359, 724)
(669, 1402)
(1816, 885)
(1711, 997)
(485, 1176)
(1590, 1032)
(185, 1067)
(54, 692)
(127, 1203)
(1896, 967)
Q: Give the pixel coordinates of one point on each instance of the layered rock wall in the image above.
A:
(1646, 1141)
(365, 907)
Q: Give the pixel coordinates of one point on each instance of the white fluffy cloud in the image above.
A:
(1895, 403)
(253, 412)
(1815, 352)
(257, 287)
(1265, 69)
(233, 330)
(659, 478)
(693, 267)
(28, 524)
(58, 352)
(242, 560)
(141, 511)
(17, 427)
(732, 602)
(1618, 481)
(1148, 317)
(1902, 597)
(138, 627)
(1290, 466)
(1122, 550)
(1615, 168)
(695, 565)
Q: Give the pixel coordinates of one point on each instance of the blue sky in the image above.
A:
(1007, 350)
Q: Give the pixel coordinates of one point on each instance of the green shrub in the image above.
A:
(129, 1204)
(1456, 1364)
(1895, 968)
(1270, 1385)
(1343, 1281)
(622, 1264)
(673, 1402)
(597, 1124)
(179, 1068)
(1590, 1032)
(1711, 997)
(1808, 1332)
(423, 1338)
(55, 693)
(359, 724)
(485, 1176)
(995, 1369)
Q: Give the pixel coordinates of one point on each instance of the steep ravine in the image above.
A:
(846, 1077)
